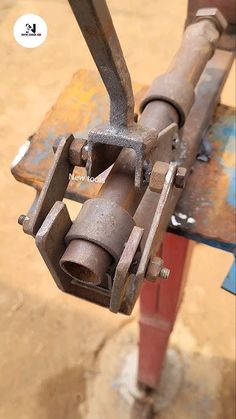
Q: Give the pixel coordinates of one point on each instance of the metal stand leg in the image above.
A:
(159, 303)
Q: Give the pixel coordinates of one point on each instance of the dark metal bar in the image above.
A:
(96, 25)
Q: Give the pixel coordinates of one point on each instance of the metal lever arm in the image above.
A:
(97, 28)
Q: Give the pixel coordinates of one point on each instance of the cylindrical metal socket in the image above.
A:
(95, 240)
(104, 223)
(85, 261)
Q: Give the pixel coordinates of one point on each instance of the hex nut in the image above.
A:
(158, 175)
(76, 153)
(154, 268)
(214, 14)
(180, 177)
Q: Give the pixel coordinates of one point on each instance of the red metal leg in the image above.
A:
(159, 302)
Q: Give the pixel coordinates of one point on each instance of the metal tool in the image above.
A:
(109, 250)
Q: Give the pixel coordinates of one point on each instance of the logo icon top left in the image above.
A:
(30, 31)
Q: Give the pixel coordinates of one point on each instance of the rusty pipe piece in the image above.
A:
(104, 224)
(177, 85)
(119, 185)
(85, 261)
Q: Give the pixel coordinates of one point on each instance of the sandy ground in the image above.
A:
(63, 358)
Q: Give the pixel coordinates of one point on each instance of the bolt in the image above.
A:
(213, 14)
(156, 269)
(21, 219)
(157, 178)
(180, 177)
(164, 273)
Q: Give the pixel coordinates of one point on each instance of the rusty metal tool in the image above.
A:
(108, 251)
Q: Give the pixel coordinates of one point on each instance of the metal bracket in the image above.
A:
(140, 139)
(153, 241)
(53, 189)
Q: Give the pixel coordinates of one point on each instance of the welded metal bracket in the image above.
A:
(142, 140)
(153, 241)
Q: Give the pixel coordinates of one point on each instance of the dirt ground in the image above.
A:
(60, 357)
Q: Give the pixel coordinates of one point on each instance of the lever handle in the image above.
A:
(95, 22)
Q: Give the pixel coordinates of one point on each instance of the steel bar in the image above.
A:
(96, 25)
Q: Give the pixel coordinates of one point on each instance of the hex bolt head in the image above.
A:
(180, 177)
(157, 178)
(213, 14)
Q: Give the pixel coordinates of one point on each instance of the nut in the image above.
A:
(154, 268)
(180, 177)
(212, 13)
(158, 175)
(76, 153)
